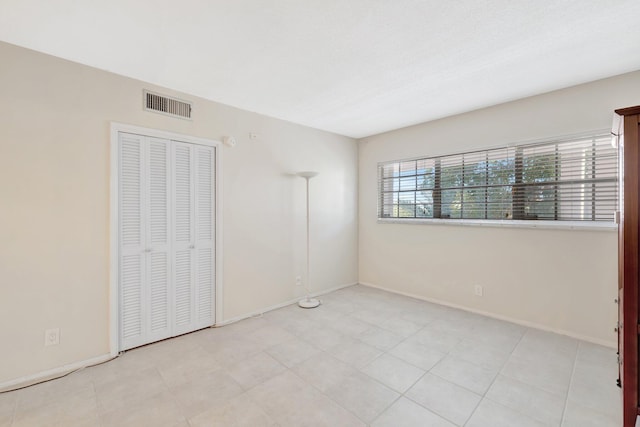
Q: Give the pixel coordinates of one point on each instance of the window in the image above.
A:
(568, 180)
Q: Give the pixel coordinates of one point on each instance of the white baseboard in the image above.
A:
(498, 316)
(51, 373)
(280, 305)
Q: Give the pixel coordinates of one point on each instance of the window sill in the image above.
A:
(548, 225)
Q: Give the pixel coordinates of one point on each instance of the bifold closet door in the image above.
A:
(167, 238)
(205, 205)
(194, 236)
(158, 246)
(144, 240)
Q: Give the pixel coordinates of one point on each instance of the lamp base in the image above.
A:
(309, 303)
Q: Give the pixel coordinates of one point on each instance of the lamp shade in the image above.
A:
(307, 174)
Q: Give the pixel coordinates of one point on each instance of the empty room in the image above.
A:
(319, 213)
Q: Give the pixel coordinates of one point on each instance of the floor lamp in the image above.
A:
(308, 302)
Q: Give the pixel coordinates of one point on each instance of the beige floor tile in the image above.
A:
(362, 396)
(48, 415)
(278, 395)
(348, 325)
(401, 326)
(549, 376)
(163, 351)
(214, 388)
(444, 398)
(43, 415)
(480, 354)
(576, 415)
(371, 316)
(456, 323)
(405, 413)
(292, 402)
(283, 313)
(435, 338)
(291, 353)
(355, 352)
(239, 411)
(597, 354)
(323, 371)
(497, 334)
(380, 338)
(268, 336)
(546, 347)
(50, 391)
(339, 304)
(231, 350)
(319, 411)
(7, 406)
(159, 411)
(468, 375)
(295, 324)
(244, 326)
(126, 391)
(255, 370)
(187, 366)
(71, 408)
(123, 366)
(323, 337)
(491, 414)
(423, 315)
(529, 400)
(593, 385)
(417, 354)
(322, 314)
(78, 408)
(393, 372)
(166, 350)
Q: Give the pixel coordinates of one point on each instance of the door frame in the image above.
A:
(114, 300)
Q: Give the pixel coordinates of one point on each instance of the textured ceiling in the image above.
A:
(354, 67)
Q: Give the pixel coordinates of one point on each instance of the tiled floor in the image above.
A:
(365, 357)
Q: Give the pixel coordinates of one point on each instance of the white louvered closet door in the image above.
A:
(145, 259)
(194, 235)
(167, 238)
(158, 254)
(183, 235)
(132, 266)
(205, 229)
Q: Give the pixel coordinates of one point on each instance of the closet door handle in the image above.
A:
(192, 246)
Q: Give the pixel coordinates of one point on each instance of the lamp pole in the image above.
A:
(308, 302)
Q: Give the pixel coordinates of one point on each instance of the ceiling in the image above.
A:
(354, 67)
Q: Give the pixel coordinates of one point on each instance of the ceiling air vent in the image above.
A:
(166, 105)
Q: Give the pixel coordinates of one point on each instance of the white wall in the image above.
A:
(54, 205)
(563, 280)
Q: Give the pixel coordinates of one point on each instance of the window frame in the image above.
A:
(573, 218)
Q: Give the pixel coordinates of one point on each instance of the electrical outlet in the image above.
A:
(478, 290)
(298, 280)
(52, 337)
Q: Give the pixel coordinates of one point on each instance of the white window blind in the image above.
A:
(565, 180)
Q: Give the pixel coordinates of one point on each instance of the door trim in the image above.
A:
(114, 308)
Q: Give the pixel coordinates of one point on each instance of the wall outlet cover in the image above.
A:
(52, 337)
